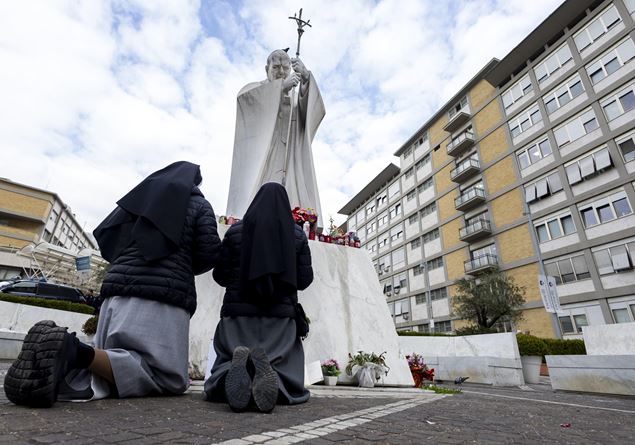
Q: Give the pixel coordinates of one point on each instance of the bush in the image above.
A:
(475, 330)
(46, 303)
(559, 346)
(90, 326)
(530, 345)
(423, 334)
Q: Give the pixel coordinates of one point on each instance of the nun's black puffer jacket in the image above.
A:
(227, 274)
(171, 279)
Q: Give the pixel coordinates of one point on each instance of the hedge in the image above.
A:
(46, 303)
(559, 346)
(423, 334)
(530, 345)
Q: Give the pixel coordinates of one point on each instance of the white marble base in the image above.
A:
(610, 339)
(494, 371)
(10, 344)
(346, 306)
(607, 374)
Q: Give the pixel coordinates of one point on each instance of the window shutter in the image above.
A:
(602, 159)
(530, 193)
(541, 188)
(573, 173)
(587, 167)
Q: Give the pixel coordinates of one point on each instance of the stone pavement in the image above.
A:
(481, 414)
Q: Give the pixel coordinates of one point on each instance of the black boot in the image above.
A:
(237, 381)
(47, 354)
(265, 386)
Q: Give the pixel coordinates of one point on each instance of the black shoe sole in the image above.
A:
(265, 385)
(33, 378)
(237, 381)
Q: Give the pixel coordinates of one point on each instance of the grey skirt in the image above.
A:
(147, 343)
(277, 336)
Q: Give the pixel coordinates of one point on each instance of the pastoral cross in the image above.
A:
(301, 24)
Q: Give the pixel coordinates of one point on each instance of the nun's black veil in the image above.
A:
(268, 257)
(151, 215)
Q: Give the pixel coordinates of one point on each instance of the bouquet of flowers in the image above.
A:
(330, 367)
(300, 216)
(419, 369)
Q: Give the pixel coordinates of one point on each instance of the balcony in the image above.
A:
(475, 231)
(457, 120)
(460, 143)
(469, 199)
(481, 264)
(465, 170)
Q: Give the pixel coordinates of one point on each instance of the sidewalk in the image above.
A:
(481, 414)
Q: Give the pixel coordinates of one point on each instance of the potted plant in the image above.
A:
(330, 371)
(531, 349)
(90, 327)
(367, 368)
(419, 369)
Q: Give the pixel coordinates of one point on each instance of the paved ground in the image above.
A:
(481, 414)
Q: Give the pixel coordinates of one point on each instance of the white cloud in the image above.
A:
(96, 95)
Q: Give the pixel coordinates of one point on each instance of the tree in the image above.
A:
(488, 299)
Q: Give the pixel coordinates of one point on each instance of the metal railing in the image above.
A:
(468, 163)
(476, 226)
(469, 194)
(483, 261)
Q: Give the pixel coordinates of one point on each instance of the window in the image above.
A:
(418, 270)
(443, 326)
(388, 288)
(621, 315)
(611, 60)
(588, 166)
(525, 120)
(382, 220)
(616, 258)
(605, 209)
(411, 195)
(409, 172)
(384, 264)
(627, 146)
(398, 258)
(543, 188)
(396, 234)
(555, 228)
(566, 324)
(415, 243)
(420, 298)
(371, 227)
(458, 107)
(400, 282)
(370, 209)
(423, 161)
(517, 91)
(617, 104)
(630, 5)
(394, 189)
(425, 185)
(568, 269)
(563, 94)
(533, 153)
(407, 153)
(382, 199)
(429, 209)
(438, 294)
(575, 128)
(395, 211)
(435, 263)
(483, 251)
(606, 20)
(431, 236)
(553, 63)
(413, 218)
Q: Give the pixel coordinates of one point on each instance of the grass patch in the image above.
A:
(442, 390)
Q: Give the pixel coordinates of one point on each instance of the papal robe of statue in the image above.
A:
(260, 141)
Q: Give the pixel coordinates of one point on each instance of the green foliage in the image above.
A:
(530, 345)
(46, 303)
(441, 389)
(423, 334)
(475, 330)
(361, 358)
(90, 326)
(488, 299)
(559, 346)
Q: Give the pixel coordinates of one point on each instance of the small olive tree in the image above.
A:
(489, 298)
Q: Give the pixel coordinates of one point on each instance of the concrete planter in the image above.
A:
(330, 380)
(531, 368)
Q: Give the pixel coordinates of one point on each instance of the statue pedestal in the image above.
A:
(346, 306)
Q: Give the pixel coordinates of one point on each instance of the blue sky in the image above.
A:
(97, 95)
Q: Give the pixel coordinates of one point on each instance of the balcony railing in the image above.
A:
(460, 143)
(457, 120)
(465, 170)
(476, 230)
(469, 199)
(482, 263)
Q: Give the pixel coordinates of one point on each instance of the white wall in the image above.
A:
(610, 339)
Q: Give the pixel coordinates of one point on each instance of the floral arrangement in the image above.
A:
(300, 216)
(361, 358)
(419, 369)
(330, 367)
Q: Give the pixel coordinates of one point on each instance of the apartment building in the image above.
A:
(29, 215)
(530, 167)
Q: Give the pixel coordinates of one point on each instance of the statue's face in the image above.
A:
(279, 68)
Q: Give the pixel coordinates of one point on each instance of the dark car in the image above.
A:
(41, 289)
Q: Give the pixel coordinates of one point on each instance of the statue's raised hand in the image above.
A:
(298, 67)
(290, 82)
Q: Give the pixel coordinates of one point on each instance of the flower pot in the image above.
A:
(330, 380)
(544, 370)
(531, 368)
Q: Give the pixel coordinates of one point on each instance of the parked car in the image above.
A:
(41, 289)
